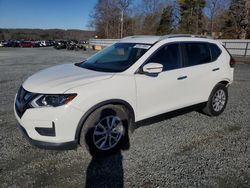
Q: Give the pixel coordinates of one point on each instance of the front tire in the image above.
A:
(217, 101)
(105, 131)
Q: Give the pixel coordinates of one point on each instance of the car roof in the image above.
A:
(151, 39)
(145, 39)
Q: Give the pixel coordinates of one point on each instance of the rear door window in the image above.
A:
(196, 53)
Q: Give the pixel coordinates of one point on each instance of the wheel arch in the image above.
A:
(225, 82)
(208, 109)
(95, 107)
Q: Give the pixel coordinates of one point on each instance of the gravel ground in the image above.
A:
(190, 150)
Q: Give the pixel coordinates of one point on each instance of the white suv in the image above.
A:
(96, 102)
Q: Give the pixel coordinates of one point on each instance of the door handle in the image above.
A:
(182, 78)
(216, 69)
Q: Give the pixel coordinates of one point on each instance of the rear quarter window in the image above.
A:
(215, 51)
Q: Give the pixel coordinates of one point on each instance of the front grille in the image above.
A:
(22, 102)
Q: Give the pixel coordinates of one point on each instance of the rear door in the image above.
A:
(199, 67)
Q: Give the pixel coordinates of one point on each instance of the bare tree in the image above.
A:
(110, 19)
(151, 15)
(123, 4)
(119, 18)
(213, 9)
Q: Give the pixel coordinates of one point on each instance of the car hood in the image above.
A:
(59, 79)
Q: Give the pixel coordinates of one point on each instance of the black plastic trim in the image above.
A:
(170, 114)
(92, 109)
(22, 104)
(46, 131)
(216, 69)
(182, 78)
(49, 145)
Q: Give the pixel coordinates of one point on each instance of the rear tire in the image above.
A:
(217, 101)
(105, 131)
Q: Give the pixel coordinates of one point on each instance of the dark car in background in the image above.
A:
(60, 45)
(11, 43)
(72, 45)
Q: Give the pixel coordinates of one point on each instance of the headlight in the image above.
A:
(52, 100)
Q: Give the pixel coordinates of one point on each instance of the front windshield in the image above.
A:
(115, 58)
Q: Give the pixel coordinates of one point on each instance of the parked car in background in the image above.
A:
(4, 43)
(43, 43)
(12, 43)
(82, 45)
(46, 43)
(26, 44)
(36, 44)
(60, 45)
(51, 43)
(72, 45)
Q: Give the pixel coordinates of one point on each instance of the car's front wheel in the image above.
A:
(106, 130)
(217, 101)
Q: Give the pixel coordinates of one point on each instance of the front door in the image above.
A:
(166, 91)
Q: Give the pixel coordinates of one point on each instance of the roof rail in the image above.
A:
(138, 36)
(182, 35)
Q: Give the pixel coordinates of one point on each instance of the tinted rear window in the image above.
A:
(197, 53)
(215, 51)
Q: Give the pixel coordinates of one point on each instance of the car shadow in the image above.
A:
(105, 172)
(108, 171)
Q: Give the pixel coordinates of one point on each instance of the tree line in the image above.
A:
(45, 34)
(217, 18)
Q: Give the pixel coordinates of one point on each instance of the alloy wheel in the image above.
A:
(108, 132)
(219, 100)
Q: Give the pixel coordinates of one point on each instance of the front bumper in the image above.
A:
(49, 145)
(50, 127)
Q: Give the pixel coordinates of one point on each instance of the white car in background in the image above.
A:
(95, 103)
(43, 43)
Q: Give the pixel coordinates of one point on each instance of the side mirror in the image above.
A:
(152, 68)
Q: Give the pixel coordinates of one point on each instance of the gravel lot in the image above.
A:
(190, 150)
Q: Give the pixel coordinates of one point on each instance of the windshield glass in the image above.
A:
(115, 58)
